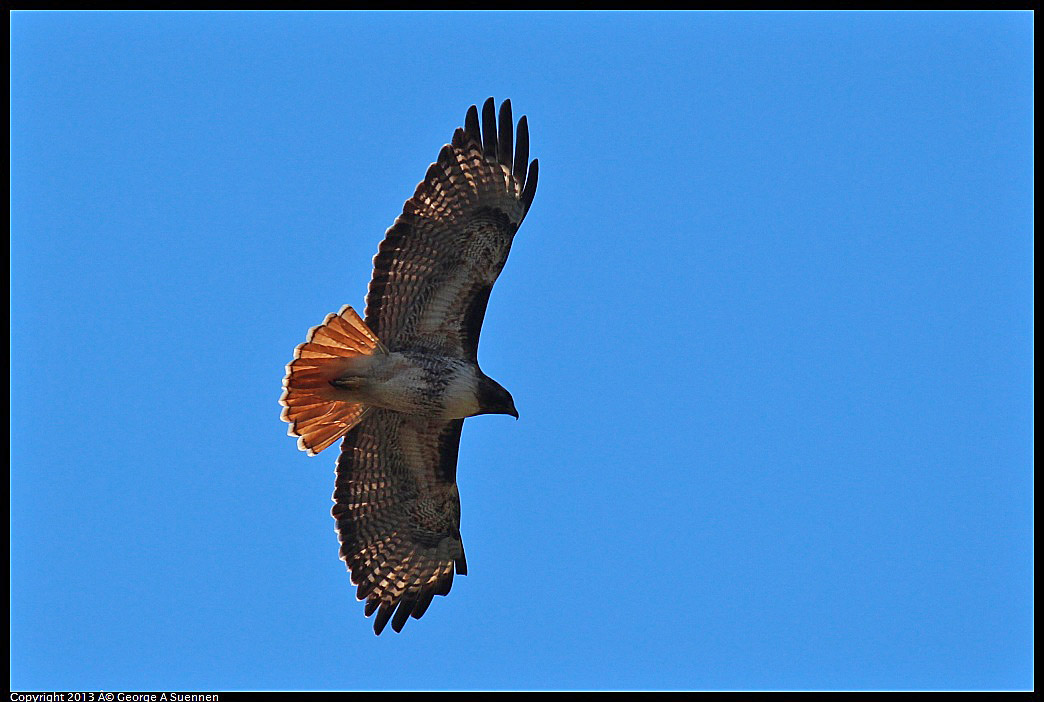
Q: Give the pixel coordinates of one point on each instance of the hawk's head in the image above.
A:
(493, 398)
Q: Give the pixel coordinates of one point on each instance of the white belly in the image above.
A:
(426, 385)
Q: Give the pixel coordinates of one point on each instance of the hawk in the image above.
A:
(399, 384)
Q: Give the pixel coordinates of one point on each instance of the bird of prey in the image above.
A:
(399, 384)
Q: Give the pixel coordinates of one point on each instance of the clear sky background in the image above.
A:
(768, 325)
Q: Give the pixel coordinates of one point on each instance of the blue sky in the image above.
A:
(768, 325)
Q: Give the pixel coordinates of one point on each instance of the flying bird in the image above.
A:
(399, 384)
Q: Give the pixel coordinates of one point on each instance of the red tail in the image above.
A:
(311, 405)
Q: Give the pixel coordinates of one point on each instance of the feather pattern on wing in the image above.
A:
(398, 512)
(437, 264)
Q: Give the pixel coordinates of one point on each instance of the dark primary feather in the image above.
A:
(471, 124)
(522, 152)
(396, 501)
(489, 130)
(504, 138)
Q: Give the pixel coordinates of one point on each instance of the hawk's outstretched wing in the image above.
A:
(437, 264)
(398, 512)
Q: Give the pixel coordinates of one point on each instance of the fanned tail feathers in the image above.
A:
(312, 406)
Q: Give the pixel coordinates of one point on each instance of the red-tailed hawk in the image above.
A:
(398, 385)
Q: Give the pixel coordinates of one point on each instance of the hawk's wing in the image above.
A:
(437, 264)
(398, 512)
